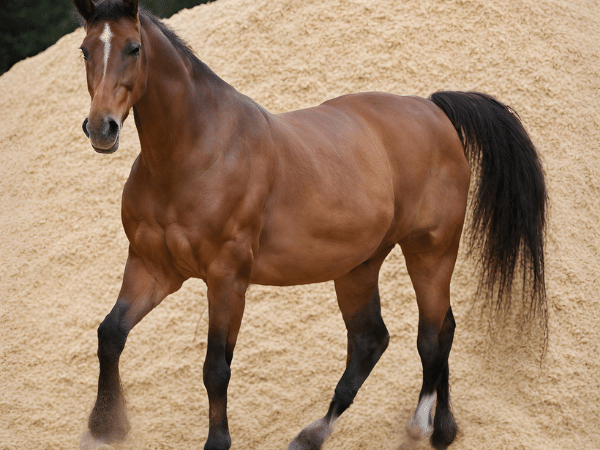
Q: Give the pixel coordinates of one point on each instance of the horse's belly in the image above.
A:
(304, 267)
(305, 247)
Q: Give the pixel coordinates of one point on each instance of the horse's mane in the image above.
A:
(113, 10)
(180, 45)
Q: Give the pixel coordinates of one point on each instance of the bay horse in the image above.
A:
(225, 191)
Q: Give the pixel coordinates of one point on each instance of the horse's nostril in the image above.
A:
(113, 127)
(85, 129)
(110, 128)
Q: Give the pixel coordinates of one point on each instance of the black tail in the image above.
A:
(509, 207)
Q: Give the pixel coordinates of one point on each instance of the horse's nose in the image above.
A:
(103, 132)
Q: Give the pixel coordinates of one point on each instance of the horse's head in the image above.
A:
(115, 67)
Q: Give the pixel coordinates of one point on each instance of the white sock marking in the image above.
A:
(420, 425)
(106, 37)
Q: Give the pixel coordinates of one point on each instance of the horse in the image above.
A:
(224, 191)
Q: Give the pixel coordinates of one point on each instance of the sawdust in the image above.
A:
(62, 248)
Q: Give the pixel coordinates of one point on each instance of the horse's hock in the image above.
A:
(63, 247)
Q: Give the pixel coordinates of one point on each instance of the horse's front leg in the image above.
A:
(139, 294)
(227, 281)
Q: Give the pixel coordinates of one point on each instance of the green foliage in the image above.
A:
(27, 27)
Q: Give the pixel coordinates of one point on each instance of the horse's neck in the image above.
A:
(175, 111)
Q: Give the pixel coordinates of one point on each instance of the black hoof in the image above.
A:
(444, 431)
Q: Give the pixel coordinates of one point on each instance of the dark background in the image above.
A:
(29, 26)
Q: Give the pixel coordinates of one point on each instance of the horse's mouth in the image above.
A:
(107, 151)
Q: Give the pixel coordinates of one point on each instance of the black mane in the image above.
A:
(180, 45)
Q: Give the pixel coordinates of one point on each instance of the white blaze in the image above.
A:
(105, 37)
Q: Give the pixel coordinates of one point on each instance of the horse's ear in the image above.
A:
(86, 8)
(131, 8)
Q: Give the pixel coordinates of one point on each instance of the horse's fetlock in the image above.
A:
(218, 441)
(444, 426)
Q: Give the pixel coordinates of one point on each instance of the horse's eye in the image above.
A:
(135, 51)
(84, 52)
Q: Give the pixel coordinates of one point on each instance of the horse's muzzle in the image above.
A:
(105, 137)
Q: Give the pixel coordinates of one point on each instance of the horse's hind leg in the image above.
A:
(358, 299)
(434, 348)
(430, 272)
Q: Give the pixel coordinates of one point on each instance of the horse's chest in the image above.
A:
(170, 249)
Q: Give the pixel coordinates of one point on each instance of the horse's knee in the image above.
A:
(111, 338)
(216, 375)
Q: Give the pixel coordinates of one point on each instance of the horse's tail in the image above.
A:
(509, 205)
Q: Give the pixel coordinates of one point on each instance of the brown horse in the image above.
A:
(224, 191)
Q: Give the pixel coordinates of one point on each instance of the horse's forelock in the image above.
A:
(114, 9)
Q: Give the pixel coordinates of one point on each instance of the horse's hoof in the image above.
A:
(416, 430)
(421, 424)
(312, 437)
(109, 424)
(89, 442)
(444, 432)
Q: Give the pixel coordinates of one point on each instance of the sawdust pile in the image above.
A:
(62, 249)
